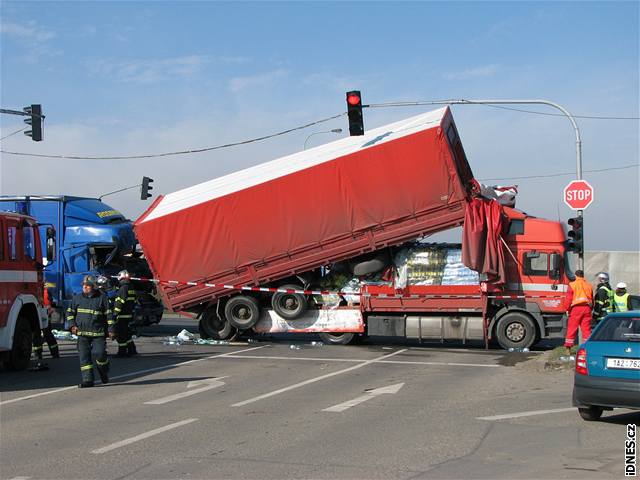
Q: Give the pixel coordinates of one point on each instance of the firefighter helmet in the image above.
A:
(123, 275)
(102, 282)
(89, 280)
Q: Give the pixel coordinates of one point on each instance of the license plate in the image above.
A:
(626, 363)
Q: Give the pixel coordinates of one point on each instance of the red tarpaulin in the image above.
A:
(481, 245)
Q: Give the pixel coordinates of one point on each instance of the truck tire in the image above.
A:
(215, 328)
(373, 265)
(20, 354)
(591, 413)
(344, 338)
(242, 311)
(289, 305)
(515, 330)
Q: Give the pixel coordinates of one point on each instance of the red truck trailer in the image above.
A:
(219, 249)
(21, 288)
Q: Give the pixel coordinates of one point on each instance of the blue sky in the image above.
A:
(118, 78)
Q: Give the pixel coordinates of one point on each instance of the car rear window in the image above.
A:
(618, 329)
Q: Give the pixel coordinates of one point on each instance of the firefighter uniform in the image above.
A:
(122, 314)
(603, 304)
(580, 302)
(88, 313)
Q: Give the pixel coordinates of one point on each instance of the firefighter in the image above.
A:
(621, 298)
(123, 313)
(578, 303)
(603, 304)
(87, 317)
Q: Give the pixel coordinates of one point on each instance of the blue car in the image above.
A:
(607, 372)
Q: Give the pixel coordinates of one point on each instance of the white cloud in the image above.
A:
(33, 38)
(29, 32)
(150, 71)
(268, 78)
(477, 72)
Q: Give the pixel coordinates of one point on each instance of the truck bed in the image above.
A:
(297, 213)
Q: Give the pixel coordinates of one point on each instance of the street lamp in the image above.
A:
(333, 130)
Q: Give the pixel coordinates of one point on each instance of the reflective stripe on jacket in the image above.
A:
(603, 300)
(89, 314)
(582, 292)
(621, 302)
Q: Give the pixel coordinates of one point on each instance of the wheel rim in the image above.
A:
(516, 331)
(241, 312)
(289, 303)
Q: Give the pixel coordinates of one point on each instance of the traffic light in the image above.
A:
(576, 235)
(35, 120)
(354, 109)
(145, 187)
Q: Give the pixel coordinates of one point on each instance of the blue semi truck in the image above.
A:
(91, 238)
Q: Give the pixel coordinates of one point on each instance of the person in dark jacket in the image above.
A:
(603, 298)
(124, 304)
(87, 317)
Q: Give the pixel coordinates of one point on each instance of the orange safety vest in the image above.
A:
(582, 292)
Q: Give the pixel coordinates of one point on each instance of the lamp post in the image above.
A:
(333, 130)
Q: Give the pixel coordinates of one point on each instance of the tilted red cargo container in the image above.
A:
(271, 224)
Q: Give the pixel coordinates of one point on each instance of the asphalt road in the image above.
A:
(264, 410)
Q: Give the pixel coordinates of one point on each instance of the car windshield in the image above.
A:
(618, 329)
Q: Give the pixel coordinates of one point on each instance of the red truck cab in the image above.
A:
(21, 288)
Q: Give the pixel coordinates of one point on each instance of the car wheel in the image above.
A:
(337, 338)
(591, 413)
(515, 330)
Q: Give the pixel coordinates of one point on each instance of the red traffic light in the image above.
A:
(353, 99)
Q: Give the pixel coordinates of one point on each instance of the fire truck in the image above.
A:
(21, 287)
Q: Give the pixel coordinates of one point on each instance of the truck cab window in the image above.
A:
(29, 245)
(516, 227)
(536, 264)
(12, 243)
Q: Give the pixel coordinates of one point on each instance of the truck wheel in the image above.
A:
(289, 305)
(591, 413)
(216, 328)
(515, 330)
(242, 311)
(18, 358)
(344, 338)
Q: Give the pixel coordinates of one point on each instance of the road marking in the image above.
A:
(341, 407)
(316, 379)
(131, 374)
(209, 384)
(142, 436)
(527, 414)
(355, 360)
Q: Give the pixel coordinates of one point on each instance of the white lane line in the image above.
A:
(355, 360)
(142, 436)
(132, 374)
(209, 384)
(527, 414)
(341, 407)
(316, 379)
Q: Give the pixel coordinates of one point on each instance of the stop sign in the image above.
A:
(578, 195)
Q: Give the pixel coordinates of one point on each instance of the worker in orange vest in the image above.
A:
(579, 305)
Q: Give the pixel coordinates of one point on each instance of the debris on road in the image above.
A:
(63, 335)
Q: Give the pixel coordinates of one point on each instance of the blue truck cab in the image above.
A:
(91, 238)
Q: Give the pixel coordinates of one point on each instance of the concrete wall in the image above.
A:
(621, 266)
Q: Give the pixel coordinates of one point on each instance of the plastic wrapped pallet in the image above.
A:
(432, 264)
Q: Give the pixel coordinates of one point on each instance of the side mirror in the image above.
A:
(51, 244)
